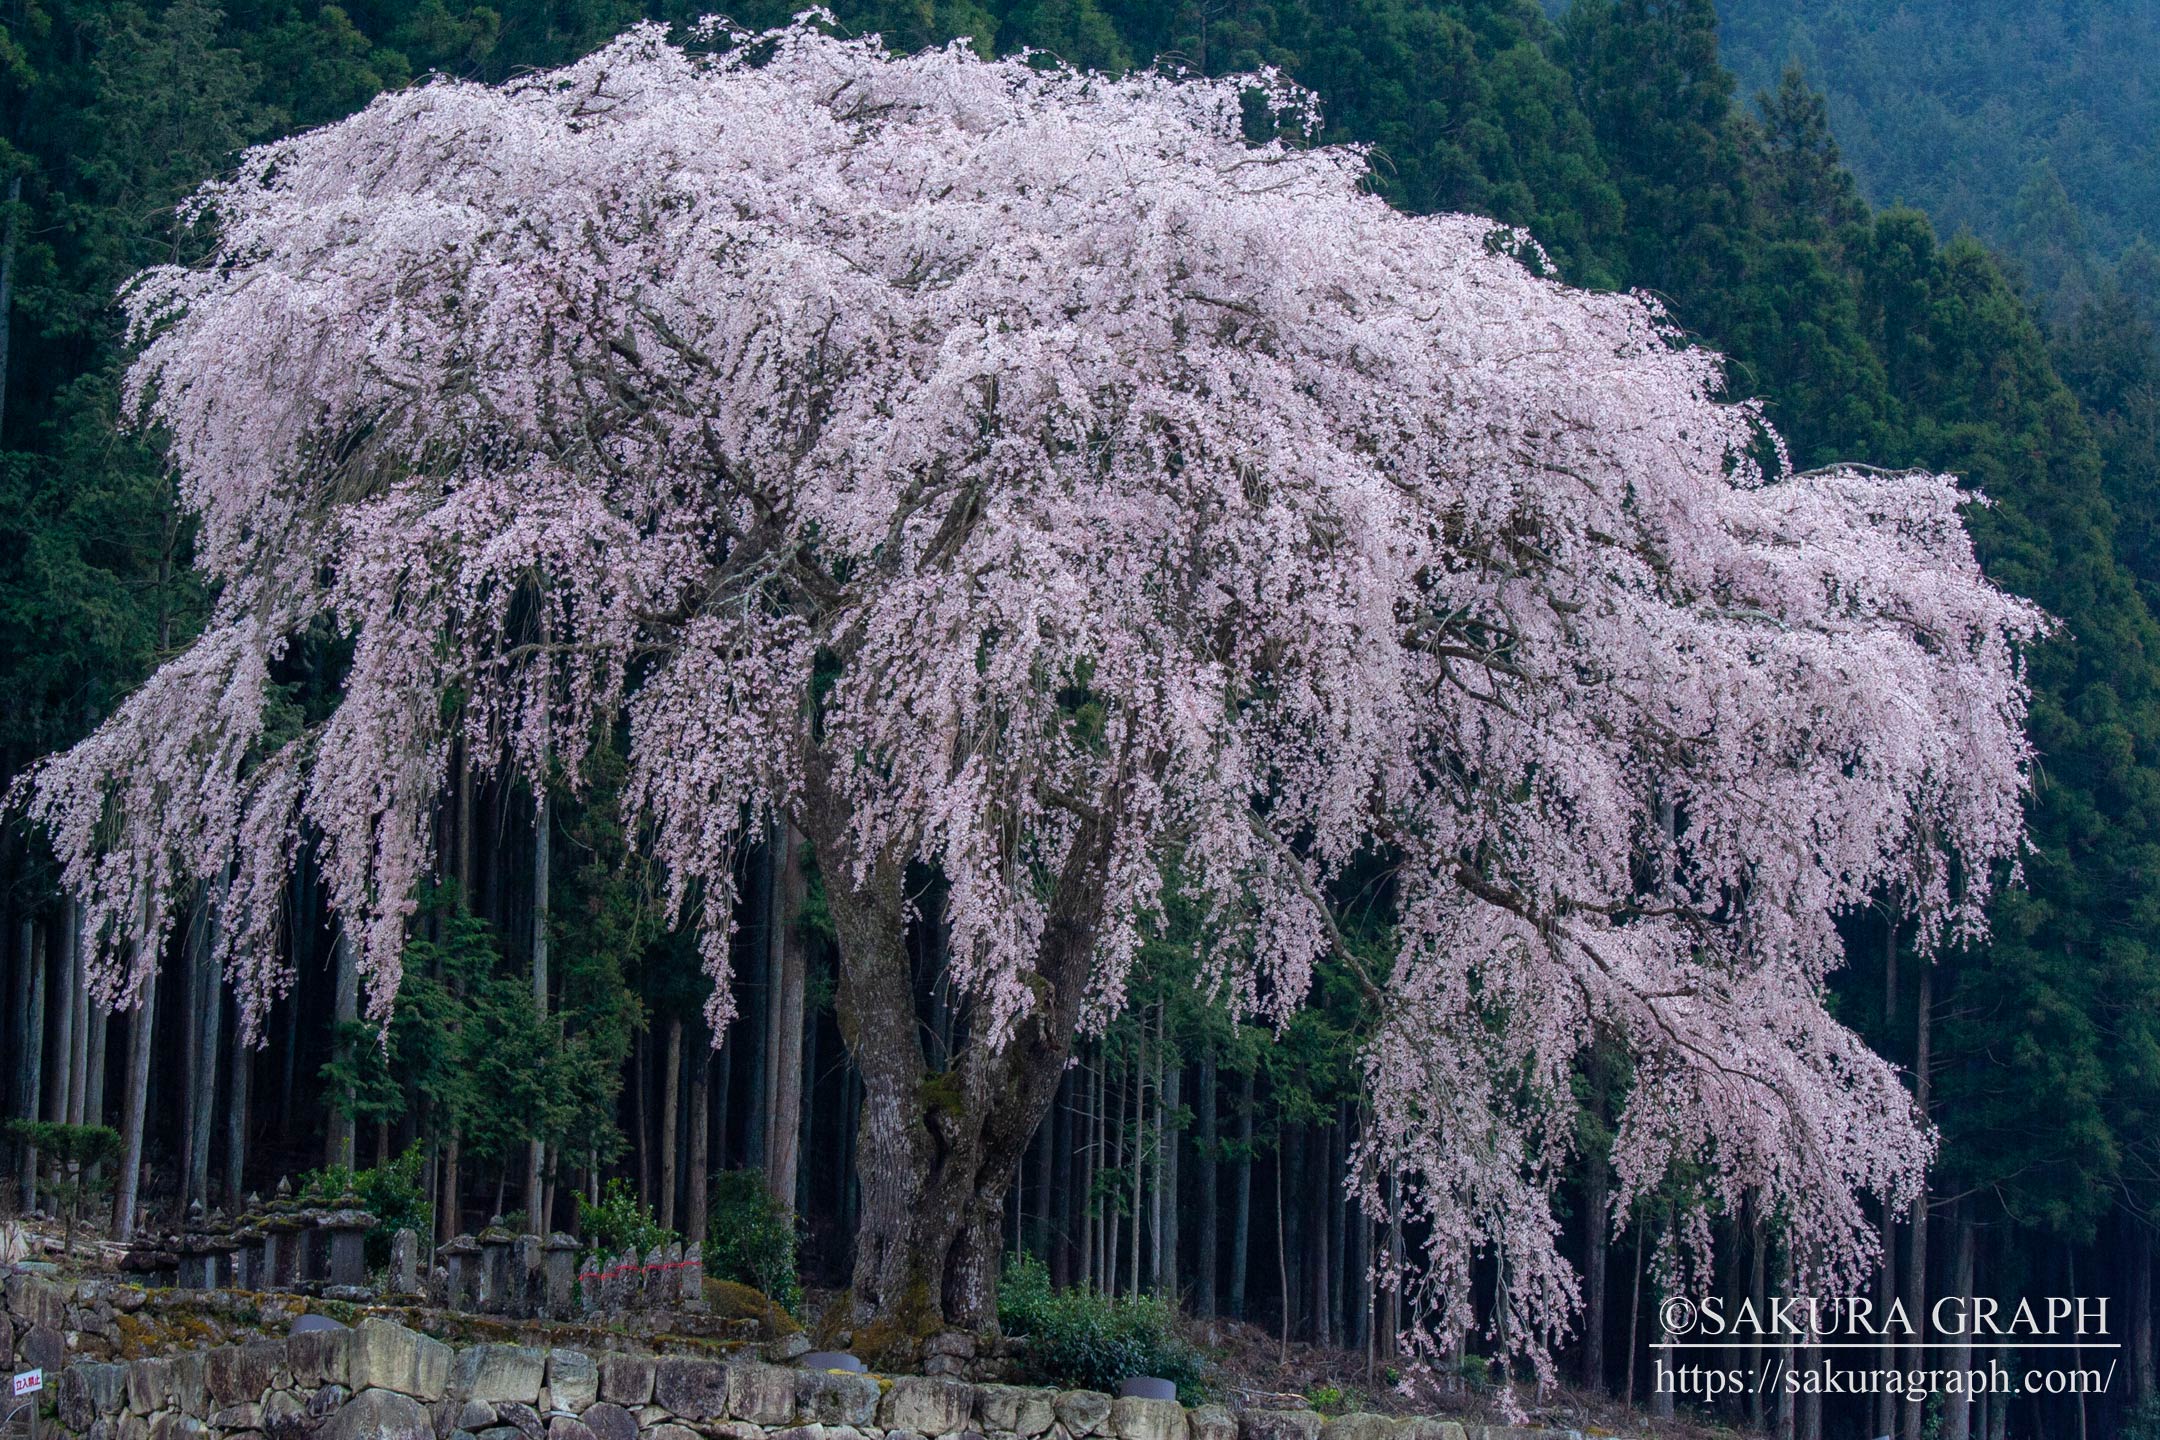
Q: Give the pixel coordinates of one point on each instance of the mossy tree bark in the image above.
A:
(937, 1148)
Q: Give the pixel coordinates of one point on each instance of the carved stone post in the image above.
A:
(405, 1279)
(558, 1265)
(345, 1241)
(461, 1265)
(495, 1282)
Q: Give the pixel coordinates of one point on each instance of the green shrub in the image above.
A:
(619, 1223)
(750, 1238)
(78, 1153)
(1080, 1340)
(393, 1193)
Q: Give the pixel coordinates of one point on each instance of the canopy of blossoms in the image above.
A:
(1020, 451)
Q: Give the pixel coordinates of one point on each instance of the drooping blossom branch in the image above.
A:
(1025, 460)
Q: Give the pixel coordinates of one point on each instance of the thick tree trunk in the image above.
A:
(142, 1032)
(784, 1018)
(937, 1152)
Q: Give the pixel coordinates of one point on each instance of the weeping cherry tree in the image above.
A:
(1028, 479)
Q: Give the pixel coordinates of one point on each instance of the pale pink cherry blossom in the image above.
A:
(1011, 470)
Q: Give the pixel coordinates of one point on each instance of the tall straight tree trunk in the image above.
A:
(1159, 1122)
(23, 931)
(1282, 1248)
(1634, 1319)
(2138, 1246)
(1661, 1389)
(1241, 1198)
(33, 1063)
(1140, 1144)
(1091, 1129)
(536, 1149)
(1917, 1253)
(79, 1032)
(1062, 1144)
(142, 1033)
(1957, 1415)
(806, 1092)
(699, 1164)
(670, 1103)
(1113, 1217)
(1204, 1287)
(210, 997)
(755, 1023)
(641, 1114)
(94, 1068)
(1807, 1423)
(345, 1010)
(1166, 1174)
(785, 964)
(65, 998)
(236, 1116)
(1885, 1407)
(1319, 1253)
(1597, 1229)
(1338, 1212)
(10, 235)
(1758, 1295)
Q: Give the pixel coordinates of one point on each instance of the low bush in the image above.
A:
(750, 1238)
(619, 1223)
(1080, 1340)
(393, 1193)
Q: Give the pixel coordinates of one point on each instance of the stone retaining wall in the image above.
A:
(379, 1380)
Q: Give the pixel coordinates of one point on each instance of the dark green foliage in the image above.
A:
(619, 1223)
(78, 1155)
(393, 1193)
(751, 1238)
(2035, 126)
(1082, 1340)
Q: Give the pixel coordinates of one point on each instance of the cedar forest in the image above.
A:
(552, 1048)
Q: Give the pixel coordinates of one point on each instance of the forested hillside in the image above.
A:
(2035, 127)
(1181, 1153)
